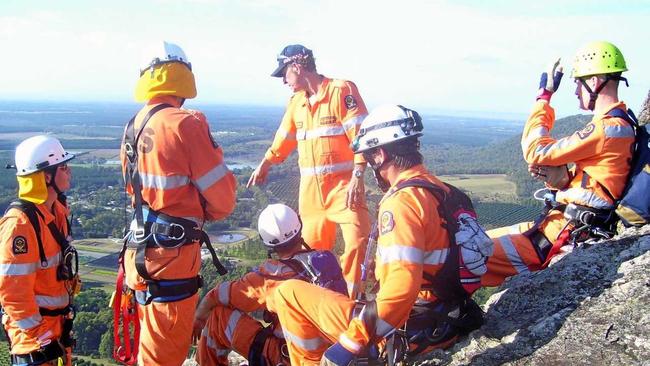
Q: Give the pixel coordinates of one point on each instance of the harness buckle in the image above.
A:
(129, 151)
(139, 233)
(171, 236)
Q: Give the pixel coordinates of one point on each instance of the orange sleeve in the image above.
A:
(542, 149)
(399, 266)
(18, 266)
(246, 294)
(208, 171)
(352, 110)
(284, 141)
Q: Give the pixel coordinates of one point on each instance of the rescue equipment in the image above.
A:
(125, 311)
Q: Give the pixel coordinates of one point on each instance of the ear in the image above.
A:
(594, 82)
(297, 68)
(48, 178)
(382, 153)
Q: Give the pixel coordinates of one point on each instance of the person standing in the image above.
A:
(321, 120)
(176, 174)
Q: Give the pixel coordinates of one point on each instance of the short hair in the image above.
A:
(404, 153)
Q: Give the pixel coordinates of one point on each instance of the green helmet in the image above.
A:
(598, 58)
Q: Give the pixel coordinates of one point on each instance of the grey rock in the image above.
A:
(592, 307)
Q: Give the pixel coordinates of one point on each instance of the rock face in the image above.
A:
(644, 112)
(591, 307)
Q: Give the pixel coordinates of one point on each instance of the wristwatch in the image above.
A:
(357, 173)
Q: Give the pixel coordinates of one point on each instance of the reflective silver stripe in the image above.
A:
(309, 344)
(352, 287)
(163, 182)
(23, 269)
(210, 342)
(348, 343)
(327, 169)
(437, 256)
(399, 253)
(619, 131)
(514, 229)
(534, 134)
(212, 177)
(470, 280)
(224, 293)
(232, 325)
(285, 134)
(353, 122)
(512, 254)
(31, 322)
(383, 328)
(560, 144)
(278, 333)
(583, 197)
(319, 132)
(52, 301)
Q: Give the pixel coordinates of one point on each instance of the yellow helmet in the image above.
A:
(598, 58)
(166, 71)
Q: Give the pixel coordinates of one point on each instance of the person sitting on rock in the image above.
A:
(581, 199)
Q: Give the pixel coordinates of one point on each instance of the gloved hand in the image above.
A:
(549, 84)
(337, 355)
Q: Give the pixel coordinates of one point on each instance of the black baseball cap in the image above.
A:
(288, 55)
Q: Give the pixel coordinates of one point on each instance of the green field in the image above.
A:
(485, 187)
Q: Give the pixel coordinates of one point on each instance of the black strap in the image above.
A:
(50, 352)
(256, 355)
(32, 213)
(132, 176)
(445, 284)
(169, 290)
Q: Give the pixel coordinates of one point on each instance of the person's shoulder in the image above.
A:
(343, 84)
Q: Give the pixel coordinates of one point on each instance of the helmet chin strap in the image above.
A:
(59, 194)
(381, 182)
(593, 94)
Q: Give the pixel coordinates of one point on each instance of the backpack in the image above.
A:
(634, 206)
(319, 267)
(470, 245)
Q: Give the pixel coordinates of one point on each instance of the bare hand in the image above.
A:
(554, 176)
(259, 174)
(355, 194)
(197, 328)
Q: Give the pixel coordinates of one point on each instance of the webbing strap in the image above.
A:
(132, 176)
(30, 210)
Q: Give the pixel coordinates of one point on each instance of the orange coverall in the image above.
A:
(601, 152)
(230, 328)
(183, 174)
(25, 285)
(411, 240)
(323, 133)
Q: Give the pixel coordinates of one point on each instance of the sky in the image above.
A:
(468, 57)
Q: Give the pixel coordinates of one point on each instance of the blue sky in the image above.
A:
(444, 56)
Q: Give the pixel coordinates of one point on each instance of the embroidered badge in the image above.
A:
(19, 245)
(588, 130)
(327, 120)
(350, 102)
(386, 223)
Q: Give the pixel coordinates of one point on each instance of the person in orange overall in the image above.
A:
(221, 322)
(37, 277)
(169, 152)
(600, 155)
(321, 119)
(319, 323)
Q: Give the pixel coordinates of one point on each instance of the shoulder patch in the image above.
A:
(350, 102)
(386, 223)
(19, 245)
(588, 130)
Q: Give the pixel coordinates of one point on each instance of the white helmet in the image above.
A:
(157, 55)
(387, 124)
(278, 224)
(39, 152)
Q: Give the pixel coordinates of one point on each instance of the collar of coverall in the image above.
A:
(413, 172)
(620, 105)
(321, 92)
(48, 216)
(167, 99)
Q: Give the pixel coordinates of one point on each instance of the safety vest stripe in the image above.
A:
(53, 301)
(224, 293)
(534, 134)
(30, 322)
(212, 177)
(353, 122)
(512, 254)
(619, 131)
(23, 269)
(410, 254)
(163, 182)
(309, 344)
(210, 342)
(286, 135)
(349, 344)
(278, 333)
(583, 197)
(327, 169)
(232, 325)
(319, 132)
(560, 144)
